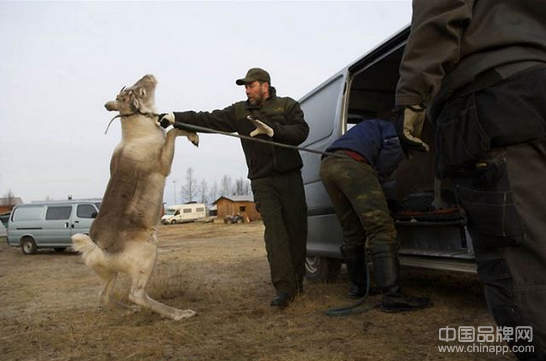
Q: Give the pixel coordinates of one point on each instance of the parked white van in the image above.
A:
(49, 224)
(183, 213)
(356, 93)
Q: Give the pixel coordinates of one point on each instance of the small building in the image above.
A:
(213, 211)
(231, 205)
(7, 204)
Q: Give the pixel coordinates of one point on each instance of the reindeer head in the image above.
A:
(138, 98)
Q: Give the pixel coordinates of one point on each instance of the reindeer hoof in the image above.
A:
(130, 310)
(181, 314)
(194, 139)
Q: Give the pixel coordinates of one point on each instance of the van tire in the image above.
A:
(28, 246)
(322, 269)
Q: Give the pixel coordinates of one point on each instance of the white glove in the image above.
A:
(414, 118)
(261, 128)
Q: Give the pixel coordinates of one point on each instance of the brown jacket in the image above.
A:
(453, 41)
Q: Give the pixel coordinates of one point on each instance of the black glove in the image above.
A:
(166, 119)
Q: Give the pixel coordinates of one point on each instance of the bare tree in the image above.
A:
(203, 191)
(9, 199)
(226, 187)
(213, 192)
(242, 187)
(189, 189)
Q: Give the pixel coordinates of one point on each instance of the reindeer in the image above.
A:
(123, 237)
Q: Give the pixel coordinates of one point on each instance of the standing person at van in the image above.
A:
(274, 172)
(370, 154)
(479, 67)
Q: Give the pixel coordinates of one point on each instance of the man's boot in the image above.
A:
(387, 276)
(355, 261)
(281, 299)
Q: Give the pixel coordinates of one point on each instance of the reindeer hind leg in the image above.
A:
(106, 298)
(139, 279)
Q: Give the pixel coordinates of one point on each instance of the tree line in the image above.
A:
(194, 190)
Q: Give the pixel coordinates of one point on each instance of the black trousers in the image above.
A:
(281, 202)
(491, 145)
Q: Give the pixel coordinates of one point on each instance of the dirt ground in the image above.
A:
(49, 310)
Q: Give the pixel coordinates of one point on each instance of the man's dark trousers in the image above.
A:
(280, 199)
(505, 202)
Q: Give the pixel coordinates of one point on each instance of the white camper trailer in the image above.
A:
(183, 213)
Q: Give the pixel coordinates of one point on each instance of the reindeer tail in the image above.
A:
(89, 250)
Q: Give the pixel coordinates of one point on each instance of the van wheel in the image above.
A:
(322, 269)
(28, 246)
(59, 249)
(173, 221)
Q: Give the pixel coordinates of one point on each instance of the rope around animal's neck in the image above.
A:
(147, 115)
(197, 128)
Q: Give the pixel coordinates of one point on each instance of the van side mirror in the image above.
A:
(94, 215)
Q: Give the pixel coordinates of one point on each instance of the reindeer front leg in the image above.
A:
(168, 150)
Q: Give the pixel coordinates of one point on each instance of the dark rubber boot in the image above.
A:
(281, 299)
(355, 261)
(387, 276)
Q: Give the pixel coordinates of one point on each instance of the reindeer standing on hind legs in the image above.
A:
(123, 237)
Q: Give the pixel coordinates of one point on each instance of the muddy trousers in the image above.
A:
(362, 211)
(281, 202)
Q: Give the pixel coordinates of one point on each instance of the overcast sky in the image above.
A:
(61, 61)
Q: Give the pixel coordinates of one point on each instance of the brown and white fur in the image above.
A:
(123, 237)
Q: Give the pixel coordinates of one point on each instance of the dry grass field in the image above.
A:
(49, 311)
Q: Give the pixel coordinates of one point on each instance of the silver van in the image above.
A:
(427, 238)
(49, 224)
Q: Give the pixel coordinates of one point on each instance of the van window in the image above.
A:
(58, 212)
(320, 110)
(200, 209)
(187, 210)
(85, 211)
(27, 214)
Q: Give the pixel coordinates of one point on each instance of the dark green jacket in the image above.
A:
(283, 114)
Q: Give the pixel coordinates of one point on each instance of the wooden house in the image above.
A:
(231, 205)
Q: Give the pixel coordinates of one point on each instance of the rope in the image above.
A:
(355, 308)
(197, 128)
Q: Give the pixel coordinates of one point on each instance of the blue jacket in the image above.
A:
(377, 141)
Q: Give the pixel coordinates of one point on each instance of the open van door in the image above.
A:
(355, 94)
